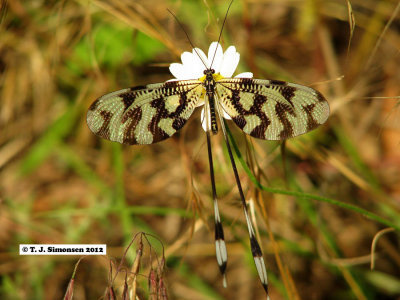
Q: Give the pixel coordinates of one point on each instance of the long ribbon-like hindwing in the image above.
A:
(255, 247)
(220, 246)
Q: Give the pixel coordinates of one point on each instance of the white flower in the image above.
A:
(192, 66)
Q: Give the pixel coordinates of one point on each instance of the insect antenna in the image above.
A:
(187, 36)
(255, 246)
(220, 33)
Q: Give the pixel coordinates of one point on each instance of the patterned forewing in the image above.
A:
(271, 109)
(144, 114)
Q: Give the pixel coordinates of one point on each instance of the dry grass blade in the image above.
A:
(382, 34)
(3, 10)
(352, 24)
(135, 269)
(138, 17)
(125, 292)
(375, 242)
(69, 293)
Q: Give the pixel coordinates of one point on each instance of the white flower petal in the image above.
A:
(215, 56)
(177, 70)
(244, 75)
(194, 63)
(187, 58)
(226, 116)
(190, 65)
(200, 57)
(230, 62)
(203, 117)
(203, 120)
(197, 66)
(224, 113)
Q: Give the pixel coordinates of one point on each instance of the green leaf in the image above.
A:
(48, 141)
(108, 44)
(146, 48)
(385, 282)
(113, 44)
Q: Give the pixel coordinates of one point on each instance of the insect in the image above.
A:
(264, 109)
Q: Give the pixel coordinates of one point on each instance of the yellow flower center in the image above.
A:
(216, 77)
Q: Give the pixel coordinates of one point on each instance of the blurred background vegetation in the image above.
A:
(61, 184)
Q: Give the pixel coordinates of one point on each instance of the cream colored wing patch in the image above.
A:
(144, 114)
(271, 109)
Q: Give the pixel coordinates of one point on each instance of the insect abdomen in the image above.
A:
(214, 125)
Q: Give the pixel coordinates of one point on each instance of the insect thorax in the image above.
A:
(209, 85)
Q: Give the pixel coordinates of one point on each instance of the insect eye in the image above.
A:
(212, 71)
(205, 72)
